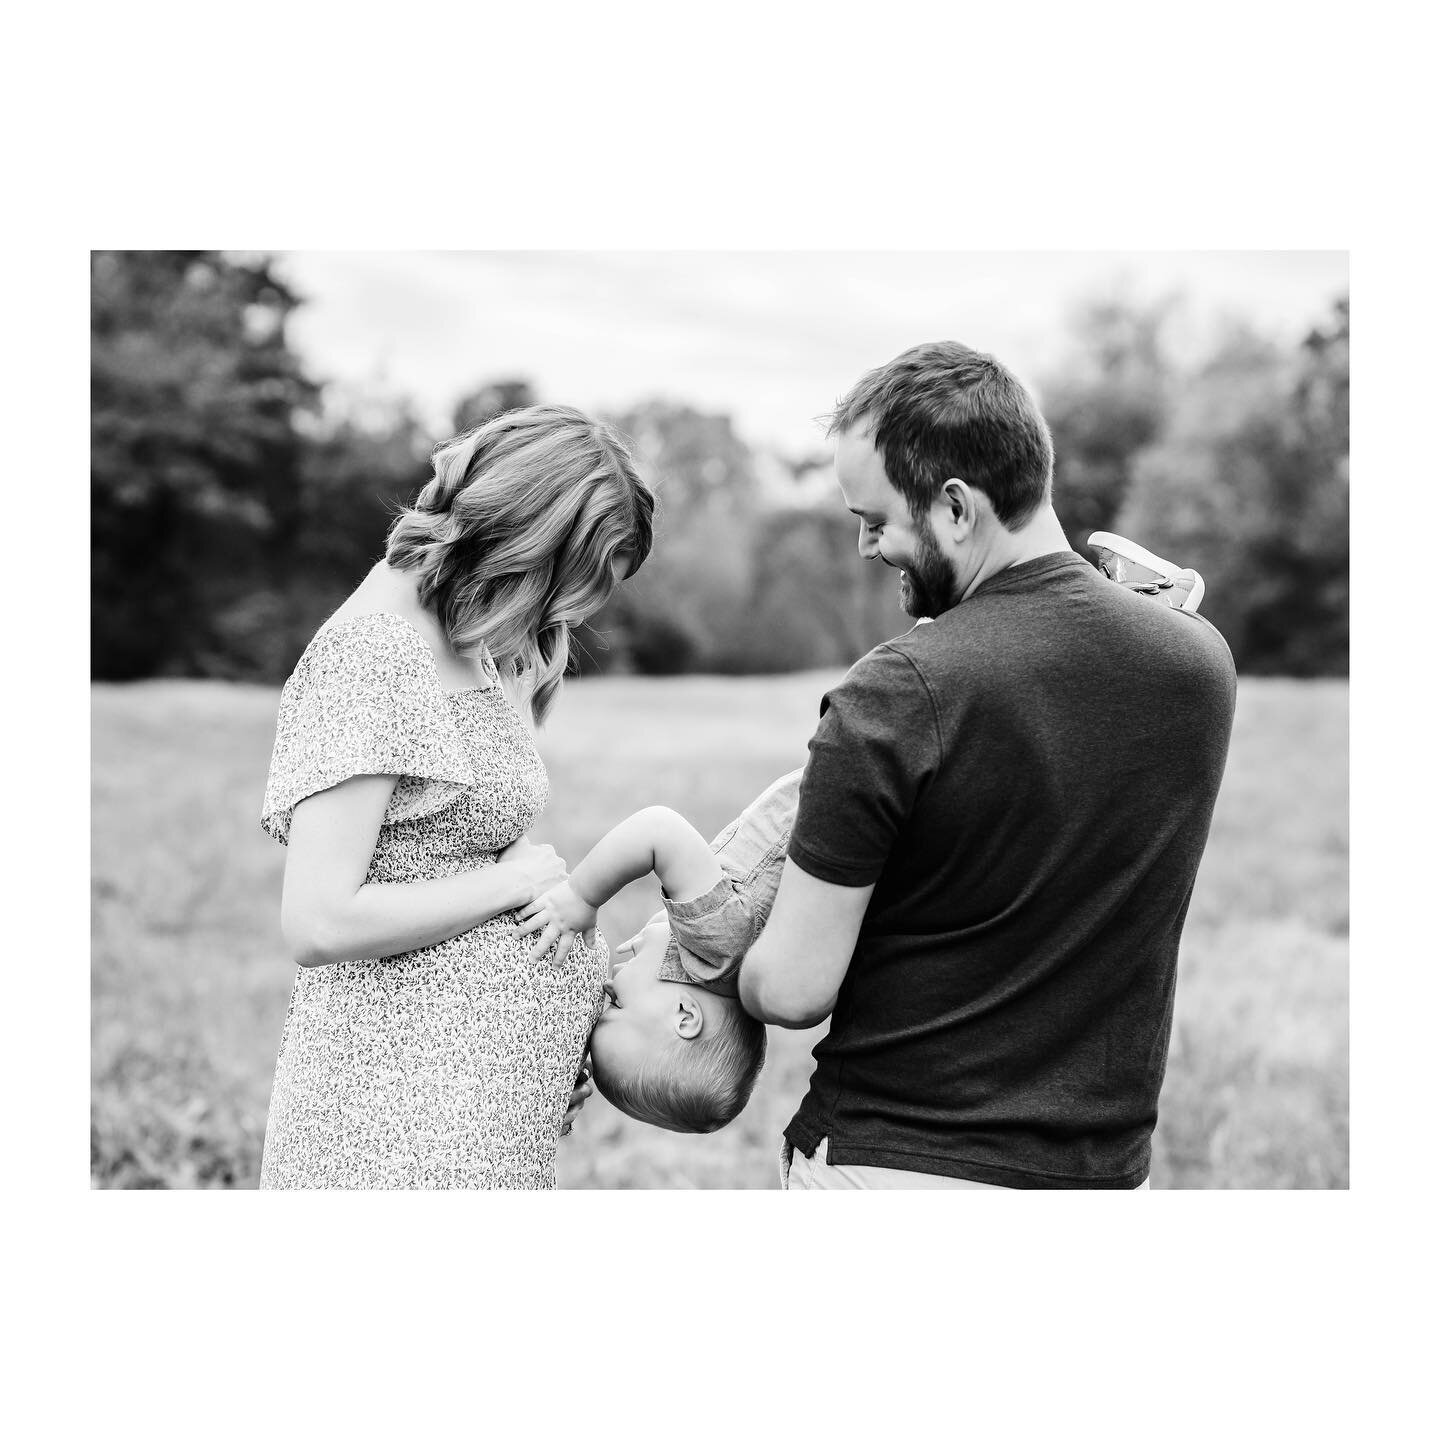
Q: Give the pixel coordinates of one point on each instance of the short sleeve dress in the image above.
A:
(448, 1067)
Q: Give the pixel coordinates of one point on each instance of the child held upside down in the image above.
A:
(674, 1047)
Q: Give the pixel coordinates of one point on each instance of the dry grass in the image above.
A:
(189, 987)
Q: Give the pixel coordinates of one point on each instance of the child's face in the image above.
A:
(645, 1013)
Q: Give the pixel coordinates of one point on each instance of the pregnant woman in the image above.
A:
(423, 1048)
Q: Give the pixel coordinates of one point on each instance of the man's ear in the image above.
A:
(689, 1018)
(956, 510)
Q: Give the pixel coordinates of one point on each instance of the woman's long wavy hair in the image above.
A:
(513, 539)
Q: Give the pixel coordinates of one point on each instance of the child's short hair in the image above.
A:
(694, 1086)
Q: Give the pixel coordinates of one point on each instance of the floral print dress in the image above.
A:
(451, 1066)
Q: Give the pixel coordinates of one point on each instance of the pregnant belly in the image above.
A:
(449, 1067)
(479, 986)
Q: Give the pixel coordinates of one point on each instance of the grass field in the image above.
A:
(189, 986)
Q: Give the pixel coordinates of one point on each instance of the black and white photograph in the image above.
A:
(688, 605)
(667, 719)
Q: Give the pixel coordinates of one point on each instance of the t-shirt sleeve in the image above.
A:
(364, 700)
(877, 745)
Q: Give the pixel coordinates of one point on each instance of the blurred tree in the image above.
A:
(1105, 404)
(358, 470)
(227, 522)
(815, 603)
(1300, 624)
(690, 596)
(194, 454)
(490, 400)
(735, 584)
(1250, 484)
(697, 459)
(631, 634)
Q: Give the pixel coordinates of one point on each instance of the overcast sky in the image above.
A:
(772, 338)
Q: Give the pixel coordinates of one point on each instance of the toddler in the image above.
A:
(674, 1047)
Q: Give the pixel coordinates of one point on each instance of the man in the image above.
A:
(999, 825)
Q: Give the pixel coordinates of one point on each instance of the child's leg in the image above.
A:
(753, 846)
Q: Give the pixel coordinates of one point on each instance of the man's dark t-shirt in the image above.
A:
(1028, 781)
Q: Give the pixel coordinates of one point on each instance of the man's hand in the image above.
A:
(582, 1092)
(559, 915)
(627, 947)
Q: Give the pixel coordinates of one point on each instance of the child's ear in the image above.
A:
(689, 1018)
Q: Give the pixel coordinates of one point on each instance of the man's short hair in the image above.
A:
(942, 410)
(694, 1086)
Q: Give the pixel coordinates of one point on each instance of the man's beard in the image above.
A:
(927, 588)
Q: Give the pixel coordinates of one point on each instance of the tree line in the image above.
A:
(231, 510)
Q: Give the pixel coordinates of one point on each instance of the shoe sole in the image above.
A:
(1139, 555)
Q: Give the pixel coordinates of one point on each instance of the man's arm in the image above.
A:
(793, 972)
(877, 740)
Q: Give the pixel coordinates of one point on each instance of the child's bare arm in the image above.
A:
(654, 840)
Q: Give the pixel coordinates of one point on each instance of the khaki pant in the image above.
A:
(799, 1172)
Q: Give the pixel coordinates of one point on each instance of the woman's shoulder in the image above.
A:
(387, 628)
(379, 645)
(363, 700)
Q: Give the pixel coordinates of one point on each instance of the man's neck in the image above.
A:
(1041, 535)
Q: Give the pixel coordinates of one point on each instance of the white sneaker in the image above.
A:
(1136, 568)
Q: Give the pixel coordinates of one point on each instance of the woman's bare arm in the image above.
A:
(329, 913)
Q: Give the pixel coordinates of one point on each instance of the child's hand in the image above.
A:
(559, 915)
(582, 1092)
